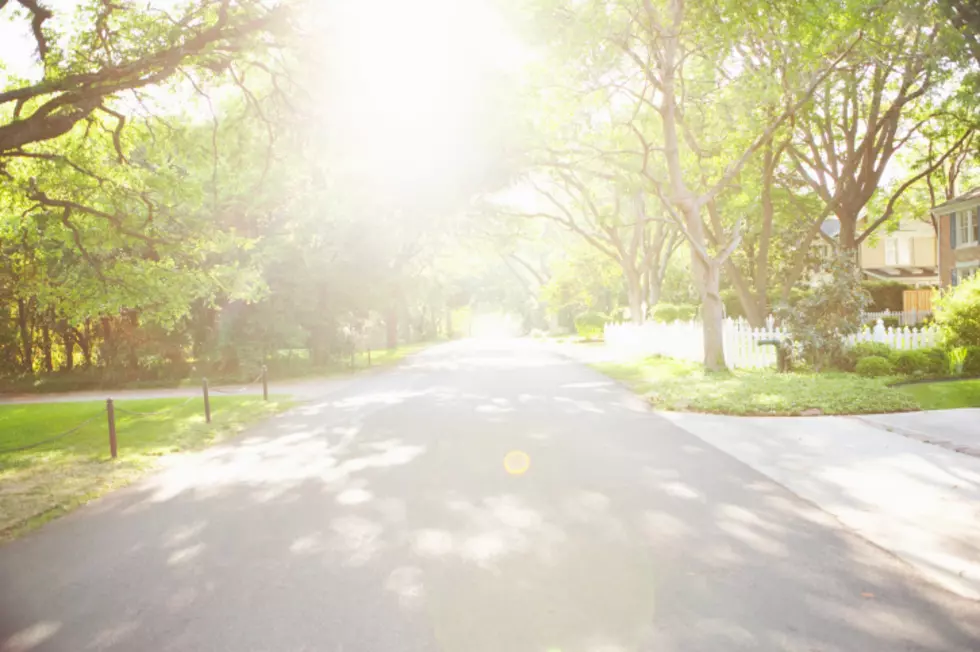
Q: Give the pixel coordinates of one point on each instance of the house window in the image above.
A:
(966, 228)
(891, 251)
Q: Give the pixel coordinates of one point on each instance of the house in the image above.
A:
(959, 237)
(906, 255)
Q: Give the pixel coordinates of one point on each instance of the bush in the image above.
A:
(664, 312)
(589, 325)
(667, 312)
(957, 312)
(687, 312)
(885, 295)
(873, 366)
(911, 363)
(831, 311)
(938, 361)
(865, 349)
(971, 363)
(847, 358)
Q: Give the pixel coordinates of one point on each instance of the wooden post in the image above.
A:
(265, 383)
(207, 401)
(111, 414)
(369, 356)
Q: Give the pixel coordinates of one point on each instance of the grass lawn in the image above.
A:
(676, 385)
(944, 395)
(41, 483)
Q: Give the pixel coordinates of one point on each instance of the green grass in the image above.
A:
(945, 395)
(41, 483)
(676, 385)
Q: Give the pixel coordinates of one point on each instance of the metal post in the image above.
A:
(111, 414)
(207, 401)
(265, 383)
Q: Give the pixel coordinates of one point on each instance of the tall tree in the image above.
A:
(889, 91)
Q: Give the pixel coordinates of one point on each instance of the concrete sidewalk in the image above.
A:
(917, 500)
(957, 430)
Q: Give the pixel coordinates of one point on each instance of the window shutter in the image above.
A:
(952, 230)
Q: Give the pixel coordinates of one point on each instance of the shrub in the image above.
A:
(667, 312)
(911, 363)
(938, 361)
(957, 312)
(971, 363)
(589, 325)
(874, 365)
(847, 358)
(832, 310)
(686, 311)
(865, 349)
(664, 312)
(885, 295)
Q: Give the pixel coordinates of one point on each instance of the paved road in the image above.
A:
(382, 518)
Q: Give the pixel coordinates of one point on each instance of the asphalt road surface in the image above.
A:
(482, 497)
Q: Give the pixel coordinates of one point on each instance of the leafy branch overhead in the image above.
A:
(130, 49)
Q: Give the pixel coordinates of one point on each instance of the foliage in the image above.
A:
(590, 325)
(675, 385)
(873, 366)
(820, 320)
(938, 361)
(915, 362)
(583, 280)
(885, 295)
(668, 312)
(43, 482)
(945, 395)
(971, 360)
(957, 312)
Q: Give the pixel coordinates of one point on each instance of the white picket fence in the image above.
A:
(683, 340)
(905, 318)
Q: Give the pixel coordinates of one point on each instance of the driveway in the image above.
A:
(483, 497)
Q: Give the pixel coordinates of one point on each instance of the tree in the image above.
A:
(887, 93)
(600, 209)
(676, 70)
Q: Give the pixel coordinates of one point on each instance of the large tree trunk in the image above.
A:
(634, 291)
(756, 308)
(46, 347)
(26, 339)
(847, 239)
(108, 343)
(707, 276)
(85, 343)
(68, 338)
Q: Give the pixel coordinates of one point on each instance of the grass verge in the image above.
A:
(43, 482)
(676, 385)
(944, 395)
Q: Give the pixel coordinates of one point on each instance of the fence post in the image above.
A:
(111, 415)
(207, 401)
(265, 383)
(369, 356)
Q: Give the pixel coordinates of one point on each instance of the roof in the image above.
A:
(830, 227)
(969, 195)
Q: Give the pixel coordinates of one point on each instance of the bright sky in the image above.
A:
(407, 79)
(402, 82)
